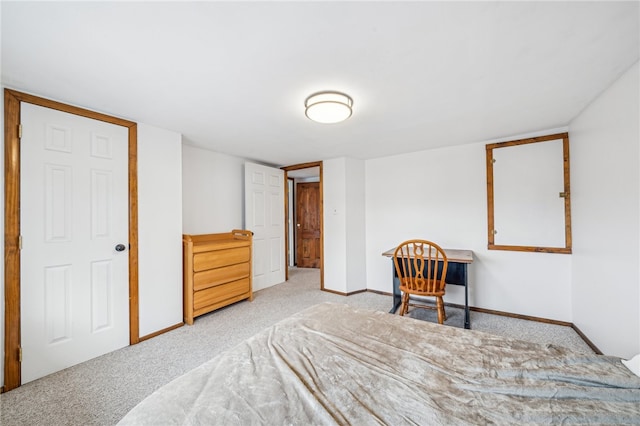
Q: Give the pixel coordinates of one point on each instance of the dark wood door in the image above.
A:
(308, 225)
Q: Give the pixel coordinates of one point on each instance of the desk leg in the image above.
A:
(397, 299)
(467, 317)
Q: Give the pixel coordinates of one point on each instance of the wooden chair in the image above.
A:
(421, 266)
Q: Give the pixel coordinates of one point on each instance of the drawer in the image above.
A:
(213, 295)
(215, 277)
(218, 258)
(219, 245)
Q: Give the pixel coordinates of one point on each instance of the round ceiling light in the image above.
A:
(328, 107)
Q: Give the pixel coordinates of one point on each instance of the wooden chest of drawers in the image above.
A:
(217, 271)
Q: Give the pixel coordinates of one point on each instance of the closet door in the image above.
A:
(74, 219)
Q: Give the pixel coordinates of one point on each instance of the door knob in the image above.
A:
(120, 247)
(298, 225)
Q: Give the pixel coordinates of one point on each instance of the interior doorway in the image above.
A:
(12, 260)
(307, 219)
(74, 222)
(304, 217)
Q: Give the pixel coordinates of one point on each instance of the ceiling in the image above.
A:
(233, 76)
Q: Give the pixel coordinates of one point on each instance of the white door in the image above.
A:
(264, 215)
(74, 211)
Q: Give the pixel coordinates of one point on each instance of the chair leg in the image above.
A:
(440, 306)
(405, 304)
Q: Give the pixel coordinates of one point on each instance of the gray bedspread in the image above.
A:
(332, 364)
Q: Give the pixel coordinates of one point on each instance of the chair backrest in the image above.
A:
(421, 266)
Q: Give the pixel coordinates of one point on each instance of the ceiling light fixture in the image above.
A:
(328, 107)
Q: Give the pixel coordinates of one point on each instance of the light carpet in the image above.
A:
(101, 391)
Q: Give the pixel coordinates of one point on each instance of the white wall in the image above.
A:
(605, 197)
(334, 207)
(212, 191)
(355, 225)
(159, 228)
(344, 230)
(440, 195)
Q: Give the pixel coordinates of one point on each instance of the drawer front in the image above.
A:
(212, 295)
(218, 258)
(215, 277)
(219, 245)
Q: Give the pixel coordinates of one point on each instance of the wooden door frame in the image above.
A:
(286, 215)
(12, 100)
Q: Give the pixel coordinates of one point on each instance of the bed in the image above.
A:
(334, 364)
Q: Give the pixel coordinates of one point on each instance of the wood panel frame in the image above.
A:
(286, 215)
(566, 191)
(12, 100)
